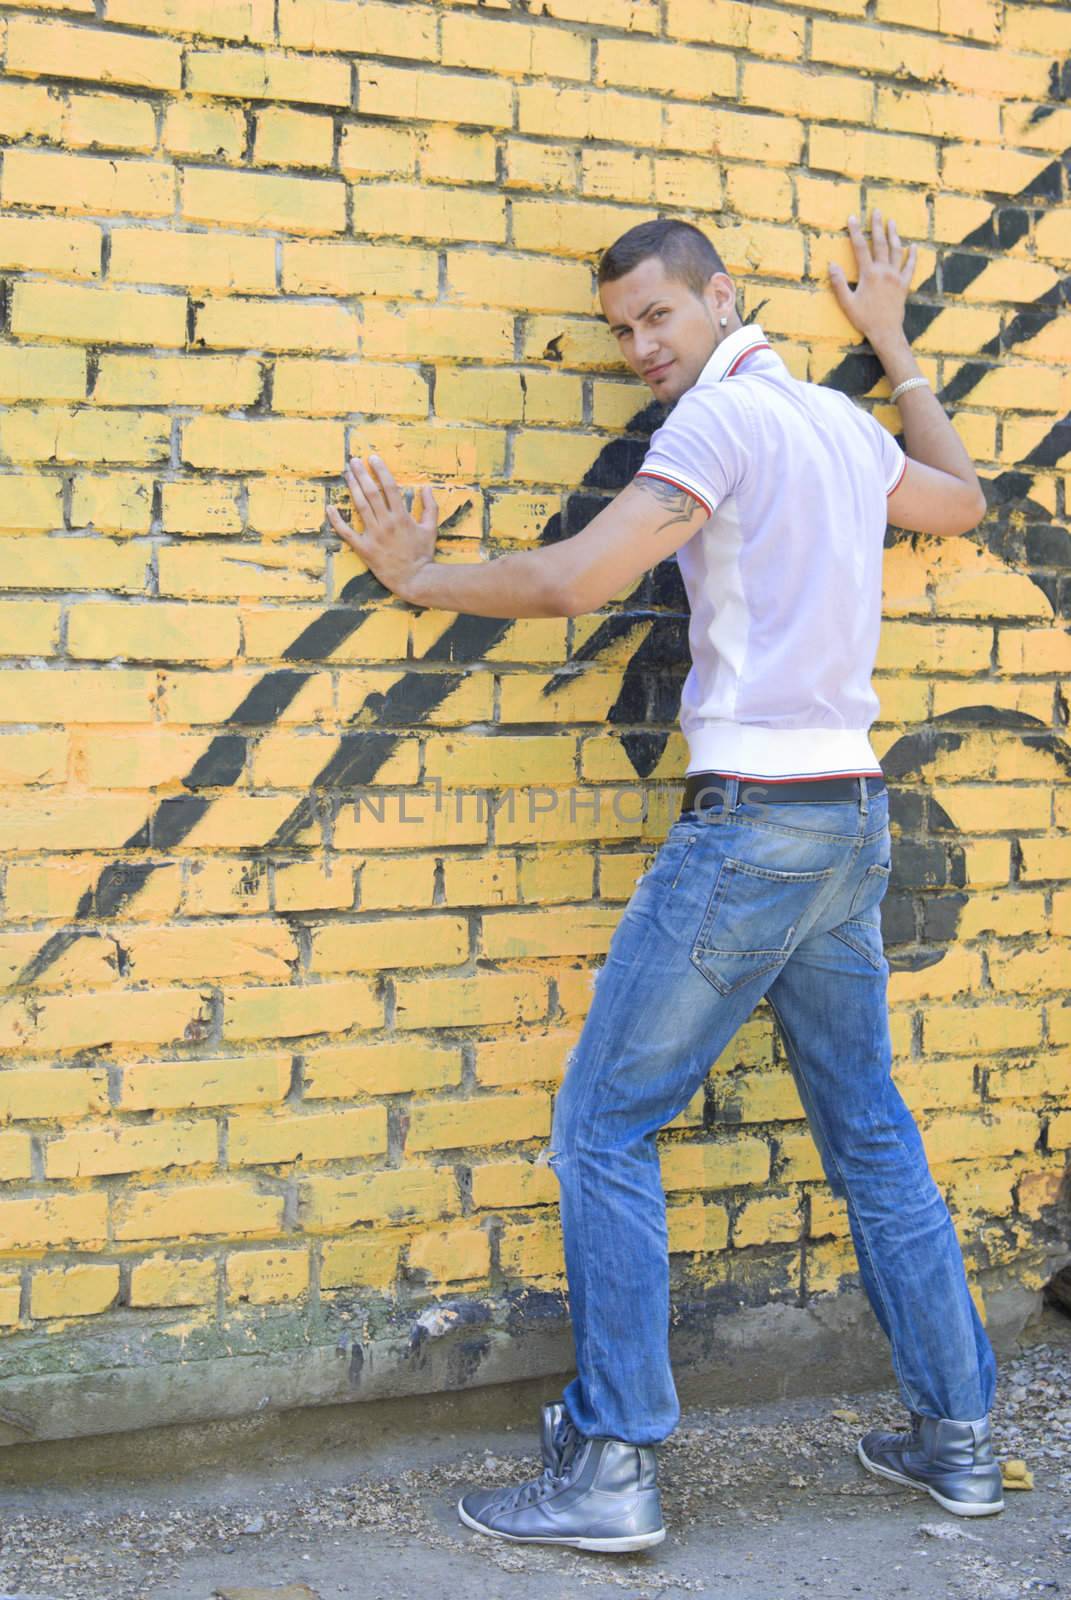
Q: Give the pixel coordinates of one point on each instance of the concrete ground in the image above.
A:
(761, 1503)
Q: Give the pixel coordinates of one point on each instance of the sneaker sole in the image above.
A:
(634, 1541)
(960, 1508)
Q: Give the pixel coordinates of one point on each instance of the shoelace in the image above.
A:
(568, 1441)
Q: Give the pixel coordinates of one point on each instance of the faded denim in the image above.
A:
(745, 900)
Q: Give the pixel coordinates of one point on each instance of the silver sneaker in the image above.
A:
(593, 1494)
(952, 1461)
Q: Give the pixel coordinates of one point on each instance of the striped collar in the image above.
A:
(727, 357)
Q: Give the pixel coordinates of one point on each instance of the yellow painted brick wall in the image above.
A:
(262, 1047)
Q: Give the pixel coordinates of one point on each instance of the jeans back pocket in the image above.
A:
(751, 917)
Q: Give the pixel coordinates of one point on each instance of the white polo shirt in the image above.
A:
(784, 579)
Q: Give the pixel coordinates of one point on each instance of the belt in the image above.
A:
(707, 789)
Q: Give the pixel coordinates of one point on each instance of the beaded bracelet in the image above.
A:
(908, 383)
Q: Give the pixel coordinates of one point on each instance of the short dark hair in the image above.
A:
(685, 252)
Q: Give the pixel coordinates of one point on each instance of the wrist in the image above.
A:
(888, 343)
(418, 590)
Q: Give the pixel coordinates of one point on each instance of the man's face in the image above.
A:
(665, 332)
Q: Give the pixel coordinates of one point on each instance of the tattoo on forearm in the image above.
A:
(678, 501)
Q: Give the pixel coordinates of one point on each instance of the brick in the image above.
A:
(389, 942)
(987, 1028)
(220, 262)
(707, 1165)
(679, 71)
(544, 108)
(955, 1135)
(530, 1058)
(764, 30)
(266, 1277)
(115, 503)
(263, 200)
(631, 16)
(776, 140)
(210, 1209)
(487, 1000)
(56, 1221)
(403, 92)
(268, 75)
(981, 168)
(68, 50)
(343, 1071)
(274, 324)
(440, 333)
(488, 1119)
(941, 116)
(93, 315)
(110, 119)
(285, 1013)
(368, 28)
(337, 1135)
(32, 757)
(72, 695)
(450, 1255)
(292, 444)
(153, 632)
(370, 1260)
(1044, 29)
(210, 382)
(413, 211)
(448, 156)
(50, 244)
(83, 435)
(789, 89)
(15, 1157)
(71, 564)
(531, 164)
(513, 49)
(63, 182)
(867, 154)
(240, 20)
(895, 53)
(174, 1086)
(504, 1184)
(293, 139)
(28, 627)
(371, 150)
(617, 174)
(41, 374)
(191, 128)
(31, 110)
(416, 1194)
(534, 1250)
(492, 278)
(567, 228)
(311, 388)
(99, 1150)
(344, 268)
(77, 1291)
(772, 1219)
(168, 1281)
(200, 508)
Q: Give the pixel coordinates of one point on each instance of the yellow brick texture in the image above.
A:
(265, 1041)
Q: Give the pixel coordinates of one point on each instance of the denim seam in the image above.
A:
(906, 1388)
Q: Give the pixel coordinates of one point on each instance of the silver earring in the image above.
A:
(724, 321)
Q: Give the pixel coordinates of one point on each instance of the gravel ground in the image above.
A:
(760, 1503)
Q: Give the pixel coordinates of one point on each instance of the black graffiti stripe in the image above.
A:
(220, 765)
(176, 817)
(860, 370)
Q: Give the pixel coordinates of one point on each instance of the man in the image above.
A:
(774, 495)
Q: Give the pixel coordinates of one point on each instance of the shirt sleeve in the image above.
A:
(701, 447)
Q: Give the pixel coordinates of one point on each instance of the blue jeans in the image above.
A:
(745, 900)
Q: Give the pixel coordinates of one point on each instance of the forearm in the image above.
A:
(521, 583)
(929, 436)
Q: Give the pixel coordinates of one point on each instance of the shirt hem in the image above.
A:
(747, 750)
